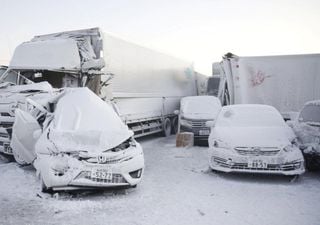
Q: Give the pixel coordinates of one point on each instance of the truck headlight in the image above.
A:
(185, 123)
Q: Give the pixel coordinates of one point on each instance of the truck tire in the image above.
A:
(174, 125)
(166, 127)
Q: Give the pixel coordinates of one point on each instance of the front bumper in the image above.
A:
(5, 141)
(227, 161)
(200, 133)
(79, 174)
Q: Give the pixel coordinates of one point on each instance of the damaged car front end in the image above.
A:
(82, 143)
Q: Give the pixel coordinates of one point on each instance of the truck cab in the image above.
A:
(195, 112)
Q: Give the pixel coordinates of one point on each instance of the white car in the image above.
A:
(253, 139)
(77, 141)
(194, 112)
(307, 128)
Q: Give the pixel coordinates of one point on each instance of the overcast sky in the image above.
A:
(197, 30)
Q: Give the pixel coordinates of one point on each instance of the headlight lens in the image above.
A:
(289, 148)
(185, 123)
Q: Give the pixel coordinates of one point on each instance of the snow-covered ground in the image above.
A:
(177, 188)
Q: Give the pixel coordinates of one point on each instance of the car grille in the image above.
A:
(257, 151)
(244, 166)
(198, 124)
(116, 178)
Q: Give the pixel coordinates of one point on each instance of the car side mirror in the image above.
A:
(176, 112)
(210, 123)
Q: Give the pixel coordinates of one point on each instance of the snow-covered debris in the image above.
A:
(14, 96)
(255, 139)
(81, 143)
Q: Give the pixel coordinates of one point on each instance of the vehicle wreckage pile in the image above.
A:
(72, 147)
(75, 122)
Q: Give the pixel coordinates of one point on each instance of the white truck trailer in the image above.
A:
(285, 82)
(145, 86)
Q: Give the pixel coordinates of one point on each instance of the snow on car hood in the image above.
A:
(84, 122)
(254, 136)
(199, 116)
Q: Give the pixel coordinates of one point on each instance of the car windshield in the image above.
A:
(200, 105)
(310, 113)
(249, 116)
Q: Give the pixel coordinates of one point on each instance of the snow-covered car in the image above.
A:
(195, 112)
(12, 96)
(307, 128)
(76, 140)
(254, 139)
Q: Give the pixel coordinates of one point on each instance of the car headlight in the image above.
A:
(220, 144)
(185, 123)
(289, 148)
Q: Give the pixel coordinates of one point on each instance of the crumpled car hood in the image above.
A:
(254, 136)
(90, 141)
(199, 116)
(83, 122)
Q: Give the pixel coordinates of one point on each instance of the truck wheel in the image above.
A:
(166, 127)
(174, 126)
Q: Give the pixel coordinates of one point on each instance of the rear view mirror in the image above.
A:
(210, 123)
(176, 112)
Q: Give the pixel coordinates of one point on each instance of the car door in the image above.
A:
(25, 133)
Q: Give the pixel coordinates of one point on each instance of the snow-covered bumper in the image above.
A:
(6, 122)
(277, 162)
(67, 172)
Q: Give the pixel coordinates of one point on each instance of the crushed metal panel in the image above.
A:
(58, 54)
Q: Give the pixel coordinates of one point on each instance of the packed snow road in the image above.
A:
(177, 188)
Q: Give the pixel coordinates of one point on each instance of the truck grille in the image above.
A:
(257, 151)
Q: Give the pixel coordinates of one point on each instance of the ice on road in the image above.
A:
(177, 188)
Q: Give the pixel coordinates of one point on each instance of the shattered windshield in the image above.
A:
(310, 113)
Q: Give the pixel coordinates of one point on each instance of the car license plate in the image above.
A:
(204, 132)
(257, 164)
(105, 174)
